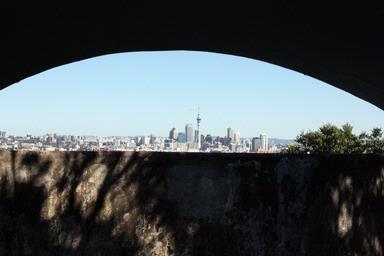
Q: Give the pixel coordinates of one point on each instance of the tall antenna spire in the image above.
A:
(198, 119)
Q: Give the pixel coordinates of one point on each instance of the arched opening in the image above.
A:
(194, 204)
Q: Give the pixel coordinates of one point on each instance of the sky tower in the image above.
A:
(198, 119)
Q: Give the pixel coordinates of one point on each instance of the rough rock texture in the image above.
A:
(87, 203)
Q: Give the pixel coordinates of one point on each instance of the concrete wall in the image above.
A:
(190, 204)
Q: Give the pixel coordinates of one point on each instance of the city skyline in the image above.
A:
(144, 93)
(190, 134)
(233, 134)
(191, 140)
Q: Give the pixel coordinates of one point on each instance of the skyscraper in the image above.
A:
(202, 139)
(230, 133)
(145, 140)
(256, 144)
(181, 137)
(209, 139)
(189, 132)
(264, 141)
(236, 137)
(173, 134)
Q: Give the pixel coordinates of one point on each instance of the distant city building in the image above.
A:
(142, 140)
(226, 141)
(138, 141)
(209, 139)
(247, 145)
(145, 140)
(190, 141)
(189, 132)
(274, 149)
(50, 139)
(256, 144)
(230, 134)
(181, 137)
(169, 145)
(155, 139)
(236, 137)
(181, 147)
(173, 134)
(232, 147)
(264, 142)
(117, 143)
(202, 139)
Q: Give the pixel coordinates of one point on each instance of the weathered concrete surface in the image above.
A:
(190, 204)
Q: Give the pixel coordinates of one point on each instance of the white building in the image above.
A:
(189, 132)
(236, 137)
(264, 142)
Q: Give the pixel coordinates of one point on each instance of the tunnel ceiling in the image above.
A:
(342, 46)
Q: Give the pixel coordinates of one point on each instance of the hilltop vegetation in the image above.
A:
(334, 140)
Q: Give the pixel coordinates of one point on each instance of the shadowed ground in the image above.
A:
(88, 203)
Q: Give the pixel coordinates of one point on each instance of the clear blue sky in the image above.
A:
(144, 93)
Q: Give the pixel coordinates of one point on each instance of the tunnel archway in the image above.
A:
(310, 210)
(340, 49)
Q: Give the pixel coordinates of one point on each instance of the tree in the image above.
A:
(350, 143)
(374, 142)
(331, 139)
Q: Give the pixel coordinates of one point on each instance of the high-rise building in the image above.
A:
(138, 140)
(181, 137)
(209, 139)
(152, 139)
(264, 141)
(189, 132)
(202, 139)
(256, 144)
(145, 140)
(236, 137)
(230, 133)
(173, 134)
